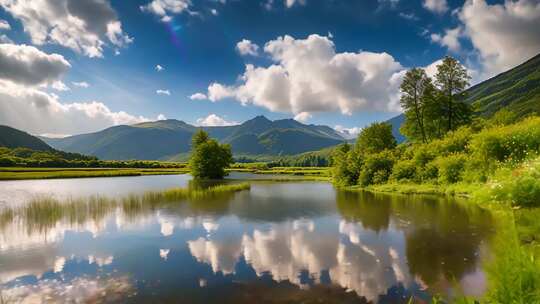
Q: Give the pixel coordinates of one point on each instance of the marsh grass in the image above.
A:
(42, 213)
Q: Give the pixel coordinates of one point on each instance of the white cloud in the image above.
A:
(436, 6)
(504, 35)
(38, 112)
(246, 47)
(159, 68)
(198, 96)
(214, 12)
(83, 26)
(309, 76)
(214, 120)
(60, 86)
(302, 117)
(166, 8)
(24, 72)
(29, 66)
(449, 39)
(4, 25)
(163, 92)
(82, 84)
(348, 133)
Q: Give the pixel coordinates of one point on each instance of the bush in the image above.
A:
(526, 191)
(404, 170)
(209, 158)
(520, 187)
(512, 143)
(376, 168)
(450, 168)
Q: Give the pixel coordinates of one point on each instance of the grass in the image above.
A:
(20, 173)
(43, 213)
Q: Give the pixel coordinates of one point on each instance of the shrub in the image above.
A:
(404, 170)
(450, 168)
(512, 143)
(376, 168)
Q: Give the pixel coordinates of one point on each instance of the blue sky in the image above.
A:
(196, 44)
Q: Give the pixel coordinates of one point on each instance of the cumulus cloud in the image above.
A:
(504, 35)
(159, 68)
(24, 72)
(163, 92)
(198, 96)
(166, 8)
(449, 39)
(214, 120)
(436, 6)
(307, 75)
(82, 84)
(39, 112)
(246, 47)
(60, 86)
(29, 66)
(83, 26)
(4, 25)
(348, 133)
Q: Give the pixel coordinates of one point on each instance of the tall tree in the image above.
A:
(417, 92)
(452, 79)
(375, 138)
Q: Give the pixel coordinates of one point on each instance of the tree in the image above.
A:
(452, 79)
(209, 158)
(417, 93)
(345, 164)
(376, 138)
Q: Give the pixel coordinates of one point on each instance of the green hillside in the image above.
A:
(170, 139)
(517, 90)
(13, 138)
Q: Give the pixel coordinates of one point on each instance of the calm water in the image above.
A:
(278, 242)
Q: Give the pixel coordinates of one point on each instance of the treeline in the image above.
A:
(445, 145)
(24, 157)
(321, 158)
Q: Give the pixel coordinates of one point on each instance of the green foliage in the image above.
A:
(345, 163)
(404, 171)
(376, 168)
(209, 158)
(450, 168)
(418, 95)
(511, 143)
(520, 187)
(375, 138)
(451, 79)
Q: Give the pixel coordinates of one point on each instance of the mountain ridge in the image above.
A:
(164, 138)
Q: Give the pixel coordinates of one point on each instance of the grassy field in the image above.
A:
(18, 173)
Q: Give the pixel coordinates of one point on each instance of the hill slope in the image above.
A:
(13, 138)
(166, 138)
(517, 90)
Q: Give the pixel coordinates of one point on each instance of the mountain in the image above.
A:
(168, 138)
(13, 138)
(517, 90)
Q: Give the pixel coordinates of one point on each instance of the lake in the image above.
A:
(296, 241)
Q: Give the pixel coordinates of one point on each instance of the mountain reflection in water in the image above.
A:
(278, 242)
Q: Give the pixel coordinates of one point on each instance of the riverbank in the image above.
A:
(22, 173)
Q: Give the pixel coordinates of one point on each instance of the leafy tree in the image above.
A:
(376, 138)
(209, 158)
(345, 166)
(417, 95)
(452, 79)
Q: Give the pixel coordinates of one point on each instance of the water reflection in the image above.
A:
(277, 242)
